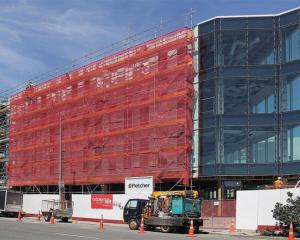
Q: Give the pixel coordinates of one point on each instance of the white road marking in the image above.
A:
(73, 235)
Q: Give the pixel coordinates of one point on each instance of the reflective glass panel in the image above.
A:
(235, 145)
(207, 51)
(261, 47)
(290, 43)
(293, 144)
(262, 141)
(261, 95)
(208, 146)
(235, 95)
(233, 48)
(292, 94)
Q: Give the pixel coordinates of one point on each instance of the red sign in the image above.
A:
(102, 201)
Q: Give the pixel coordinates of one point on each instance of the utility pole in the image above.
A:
(61, 186)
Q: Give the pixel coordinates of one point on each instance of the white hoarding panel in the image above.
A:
(83, 208)
(254, 208)
(32, 203)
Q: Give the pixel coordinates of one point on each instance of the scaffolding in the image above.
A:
(4, 141)
(126, 115)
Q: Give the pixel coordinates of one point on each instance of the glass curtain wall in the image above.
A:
(238, 82)
(250, 101)
(289, 51)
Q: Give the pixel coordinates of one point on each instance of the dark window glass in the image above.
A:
(290, 93)
(261, 95)
(207, 105)
(207, 51)
(233, 48)
(260, 22)
(289, 18)
(235, 145)
(210, 193)
(207, 95)
(233, 23)
(208, 146)
(207, 121)
(235, 120)
(290, 43)
(233, 71)
(235, 95)
(261, 47)
(291, 144)
(293, 94)
(262, 142)
(206, 27)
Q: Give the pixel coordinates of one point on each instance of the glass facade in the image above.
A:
(249, 95)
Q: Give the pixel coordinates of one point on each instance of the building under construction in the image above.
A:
(4, 140)
(127, 115)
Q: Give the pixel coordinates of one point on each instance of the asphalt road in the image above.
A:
(31, 229)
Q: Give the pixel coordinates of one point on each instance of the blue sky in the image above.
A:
(39, 36)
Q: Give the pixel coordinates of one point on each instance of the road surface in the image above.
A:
(31, 229)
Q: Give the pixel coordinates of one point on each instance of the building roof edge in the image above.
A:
(243, 16)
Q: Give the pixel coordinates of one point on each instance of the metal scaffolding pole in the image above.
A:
(4, 141)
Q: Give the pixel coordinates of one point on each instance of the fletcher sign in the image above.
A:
(139, 185)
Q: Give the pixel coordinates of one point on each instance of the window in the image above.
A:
(261, 47)
(230, 193)
(210, 193)
(132, 204)
(293, 144)
(233, 48)
(238, 156)
(293, 97)
(235, 95)
(207, 51)
(290, 43)
(208, 146)
(262, 140)
(265, 106)
(235, 145)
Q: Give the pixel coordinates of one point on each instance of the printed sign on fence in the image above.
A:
(102, 201)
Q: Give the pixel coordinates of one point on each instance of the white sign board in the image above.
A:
(139, 185)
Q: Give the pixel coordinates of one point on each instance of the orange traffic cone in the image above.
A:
(291, 232)
(19, 216)
(52, 221)
(39, 216)
(191, 230)
(232, 227)
(101, 224)
(142, 228)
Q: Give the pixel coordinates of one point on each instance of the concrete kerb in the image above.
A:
(244, 234)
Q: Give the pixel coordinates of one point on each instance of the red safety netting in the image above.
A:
(127, 115)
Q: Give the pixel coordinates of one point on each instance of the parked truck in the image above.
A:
(171, 211)
(60, 209)
(11, 203)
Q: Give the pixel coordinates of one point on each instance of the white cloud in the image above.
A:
(36, 37)
(11, 58)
